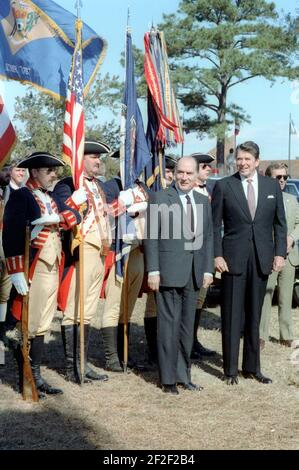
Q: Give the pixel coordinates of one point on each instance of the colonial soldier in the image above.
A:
(35, 205)
(134, 201)
(95, 244)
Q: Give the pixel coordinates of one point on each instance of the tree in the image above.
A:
(40, 117)
(215, 45)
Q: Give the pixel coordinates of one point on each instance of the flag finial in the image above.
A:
(78, 6)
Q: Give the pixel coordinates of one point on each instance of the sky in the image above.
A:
(268, 106)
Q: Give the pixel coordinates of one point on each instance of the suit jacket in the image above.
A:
(267, 230)
(172, 250)
(292, 217)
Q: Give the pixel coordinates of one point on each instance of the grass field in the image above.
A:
(130, 411)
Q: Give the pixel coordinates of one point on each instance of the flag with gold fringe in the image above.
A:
(38, 39)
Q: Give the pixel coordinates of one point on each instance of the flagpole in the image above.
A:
(78, 5)
(125, 280)
(290, 143)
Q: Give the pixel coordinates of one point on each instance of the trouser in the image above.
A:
(93, 275)
(242, 293)
(176, 307)
(150, 307)
(285, 282)
(42, 298)
(114, 292)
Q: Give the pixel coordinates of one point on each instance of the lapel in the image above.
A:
(262, 194)
(174, 198)
(236, 186)
(287, 202)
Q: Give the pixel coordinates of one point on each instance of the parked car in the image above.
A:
(292, 187)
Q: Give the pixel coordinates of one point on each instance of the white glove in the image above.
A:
(126, 197)
(137, 207)
(19, 281)
(47, 219)
(79, 196)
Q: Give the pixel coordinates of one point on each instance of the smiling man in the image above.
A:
(254, 243)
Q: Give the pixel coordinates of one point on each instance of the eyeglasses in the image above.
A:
(285, 177)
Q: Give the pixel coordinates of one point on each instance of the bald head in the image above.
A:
(186, 174)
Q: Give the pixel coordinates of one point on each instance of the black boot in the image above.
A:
(36, 351)
(69, 334)
(198, 350)
(120, 345)
(109, 336)
(150, 329)
(89, 373)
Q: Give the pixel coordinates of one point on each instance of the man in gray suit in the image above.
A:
(285, 278)
(179, 260)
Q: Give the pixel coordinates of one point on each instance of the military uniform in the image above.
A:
(114, 315)
(95, 242)
(35, 206)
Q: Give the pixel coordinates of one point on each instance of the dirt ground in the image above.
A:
(130, 411)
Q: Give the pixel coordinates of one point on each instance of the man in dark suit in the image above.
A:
(179, 260)
(250, 206)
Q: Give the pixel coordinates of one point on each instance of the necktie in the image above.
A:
(251, 197)
(190, 213)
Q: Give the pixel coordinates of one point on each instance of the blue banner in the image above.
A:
(134, 151)
(37, 41)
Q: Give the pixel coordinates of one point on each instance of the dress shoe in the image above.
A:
(258, 376)
(286, 342)
(191, 387)
(262, 344)
(170, 389)
(47, 389)
(201, 350)
(230, 379)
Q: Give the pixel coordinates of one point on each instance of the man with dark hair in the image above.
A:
(250, 207)
(285, 278)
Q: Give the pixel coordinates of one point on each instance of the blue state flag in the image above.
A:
(134, 151)
(37, 41)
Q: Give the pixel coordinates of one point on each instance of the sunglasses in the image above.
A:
(285, 177)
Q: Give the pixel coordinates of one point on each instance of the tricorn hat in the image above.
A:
(40, 160)
(170, 162)
(95, 147)
(203, 157)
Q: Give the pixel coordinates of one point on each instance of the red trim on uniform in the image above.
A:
(33, 265)
(15, 264)
(64, 288)
(109, 262)
(69, 220)
(69, 202)
(116, 208)
(16, 308)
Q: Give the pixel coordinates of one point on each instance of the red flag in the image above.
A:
(7, 135)
(73, 130)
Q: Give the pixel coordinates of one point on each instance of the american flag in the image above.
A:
(7, 135)
(73, 130)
